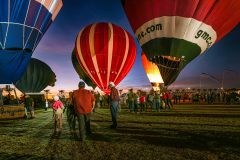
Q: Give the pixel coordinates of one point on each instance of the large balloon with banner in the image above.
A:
(152, 72)
(36, 78)
(106, 52)
(22, 25)
(80, 72)
(173, 32)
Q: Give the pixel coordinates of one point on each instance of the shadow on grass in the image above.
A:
(207, 140)
(101, 137)
(15, 156)
(207, 115)
(179, 123)
(164, 137)
(167, 123)
(53, 146)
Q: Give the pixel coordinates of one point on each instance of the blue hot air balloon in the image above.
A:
(22, 25)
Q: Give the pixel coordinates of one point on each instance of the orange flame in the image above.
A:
(152, 71)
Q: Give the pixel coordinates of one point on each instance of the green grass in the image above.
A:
(202, 132)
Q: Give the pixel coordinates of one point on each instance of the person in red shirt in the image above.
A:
(83, 101)
(142, 102)
(169, 98)
(57, 107)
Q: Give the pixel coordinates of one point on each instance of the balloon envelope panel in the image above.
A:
(22, 25)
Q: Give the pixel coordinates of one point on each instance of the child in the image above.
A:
(57, 113)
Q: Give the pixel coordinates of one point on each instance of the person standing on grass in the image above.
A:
(29, 106)
(83, 101)
(157, 100)
(142, 102)
(164, 98)
(169, 100)
(136, 102)
(101, 100)
(150, 100)
(71, 115)
(130, 100)
(97, 101)
(57, 107)
(114, 102)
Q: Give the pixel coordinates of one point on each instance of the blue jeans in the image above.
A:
(131, 106)
(142, 105)
(157, 105)
(84, 125)
(136, 107)
(114, 111)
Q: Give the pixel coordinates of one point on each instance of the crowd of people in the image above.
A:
(154, 101)
(81, 103)
(207, 97)
(140, 101)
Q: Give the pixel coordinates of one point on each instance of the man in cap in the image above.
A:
(114, 102)
(83, 101)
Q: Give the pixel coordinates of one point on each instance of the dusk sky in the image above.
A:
(57, 44)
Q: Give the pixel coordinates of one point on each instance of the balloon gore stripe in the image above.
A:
(106, 53)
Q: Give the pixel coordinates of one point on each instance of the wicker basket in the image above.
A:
(12, 112)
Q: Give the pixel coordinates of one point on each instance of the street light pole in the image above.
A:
(46, 98)
(223, 79)
(223, 75)
(200, 82)
(212, 78)
(1, 97)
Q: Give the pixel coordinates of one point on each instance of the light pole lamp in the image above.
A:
(46, 93)
(1, 97)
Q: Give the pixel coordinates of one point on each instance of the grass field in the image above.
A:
(185, 133)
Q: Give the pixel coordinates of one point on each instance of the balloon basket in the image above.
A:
(12, 112)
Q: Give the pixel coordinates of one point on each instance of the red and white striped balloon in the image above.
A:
(106, 52)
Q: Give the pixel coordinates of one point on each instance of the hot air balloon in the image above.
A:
(173, 32)
(106, 52)
(152, 72)
(22, 25)
(37, 77)
(80, 71)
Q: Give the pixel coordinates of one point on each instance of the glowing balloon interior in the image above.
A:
(152, 72)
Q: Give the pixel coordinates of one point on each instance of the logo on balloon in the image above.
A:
(204, 35)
